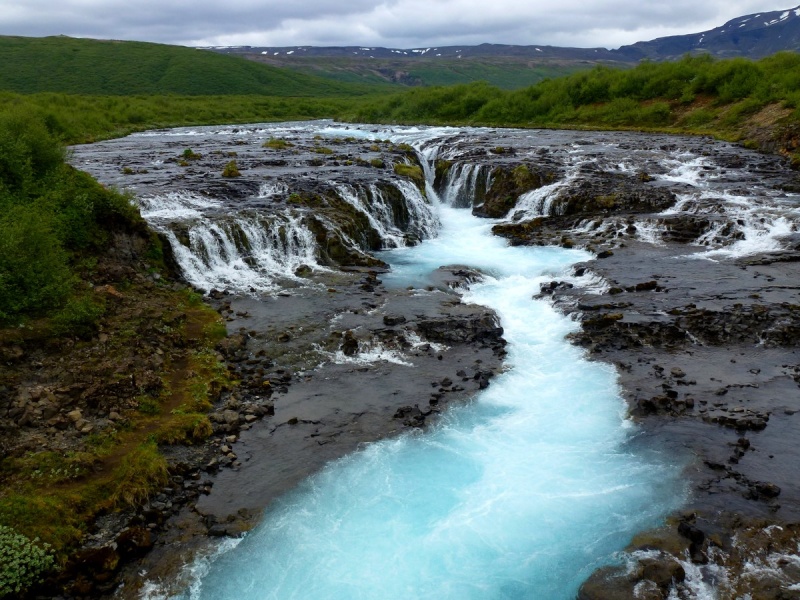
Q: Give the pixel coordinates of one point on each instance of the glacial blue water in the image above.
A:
(520, 494)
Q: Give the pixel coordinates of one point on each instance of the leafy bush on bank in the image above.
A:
(50, 216)
(22, 562)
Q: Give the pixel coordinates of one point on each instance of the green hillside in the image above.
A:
(501, 71)
(97, 67)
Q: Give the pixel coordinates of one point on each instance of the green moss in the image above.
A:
(413, 172)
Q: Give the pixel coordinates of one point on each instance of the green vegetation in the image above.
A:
(276, 144)
(695, 94)
(98, 67)
(502, 71)
(51, 216)
(231, 169)
(411, 171)
(22, 561)
(82, 119)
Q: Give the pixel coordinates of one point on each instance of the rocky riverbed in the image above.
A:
(692, 296)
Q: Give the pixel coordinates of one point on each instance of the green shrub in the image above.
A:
(79, 317)
(34, 276)
(231, 170)
(28, 153)
(23, 561)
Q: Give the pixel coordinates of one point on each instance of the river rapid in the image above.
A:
(537, 481)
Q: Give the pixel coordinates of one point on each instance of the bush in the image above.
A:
(23, 562)
(28, 153)
(79, 317)
(34, 276)
(231, 170)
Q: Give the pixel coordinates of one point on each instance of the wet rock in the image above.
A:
(392, 320)
(303, 271)
(349, 344)
(464, 329)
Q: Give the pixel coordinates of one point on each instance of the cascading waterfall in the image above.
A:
(380, 217)
(461, 184)
(244, 253)
(741, 224)
(521, 494)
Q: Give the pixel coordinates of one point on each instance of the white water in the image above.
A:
(518, 495)
(274, 250)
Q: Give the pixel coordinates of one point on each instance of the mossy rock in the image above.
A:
(520, 231)
(413, 172)
(508, 185)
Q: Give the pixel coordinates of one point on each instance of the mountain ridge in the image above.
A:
(751, 36)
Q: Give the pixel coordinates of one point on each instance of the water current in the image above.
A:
(540, 479)
(520, 494)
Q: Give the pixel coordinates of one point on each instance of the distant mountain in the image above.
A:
(507, 66)
(443, 52)
(751, 36)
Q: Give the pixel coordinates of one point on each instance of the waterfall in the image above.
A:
(244, 253)
(461, 185)
(423, 221)
(372, 205)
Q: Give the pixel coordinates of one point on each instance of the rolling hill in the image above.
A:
(96, 67)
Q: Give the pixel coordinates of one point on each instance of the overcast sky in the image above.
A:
(392, 23)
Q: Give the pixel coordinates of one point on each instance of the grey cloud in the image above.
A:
(394, 23)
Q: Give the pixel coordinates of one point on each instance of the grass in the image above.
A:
(77, 119)
(504, 72)
(107, 67)
(54, 496)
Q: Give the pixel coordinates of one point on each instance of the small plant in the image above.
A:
(80, 317)
(276, 144)
(190, 154)
(127, 171)
(141, 473)
(231, 170)
(377, 163)
(149, 406)
(322, 150)
(23, 561)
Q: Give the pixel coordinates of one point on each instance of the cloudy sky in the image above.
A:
(391, 23)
